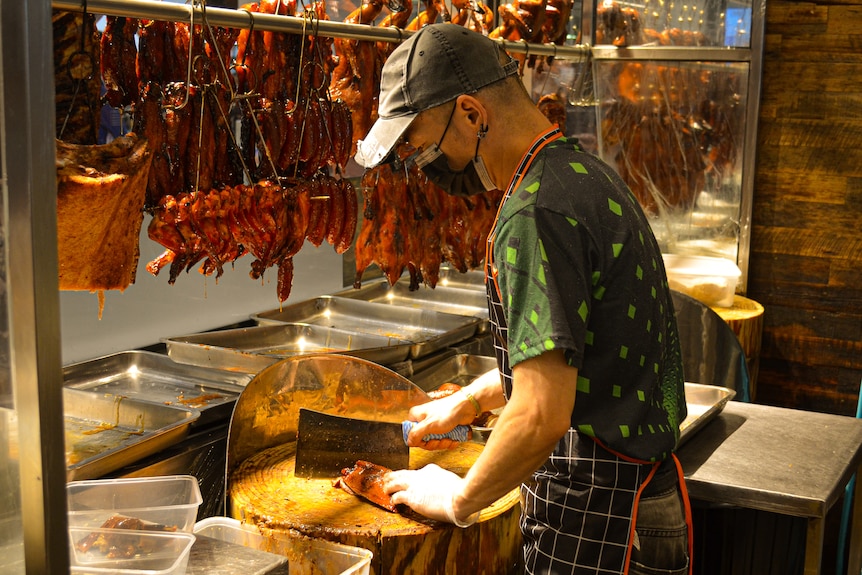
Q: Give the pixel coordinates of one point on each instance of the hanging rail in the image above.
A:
(230, 18)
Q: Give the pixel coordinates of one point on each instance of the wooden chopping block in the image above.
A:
(265, 492)
(745, 318)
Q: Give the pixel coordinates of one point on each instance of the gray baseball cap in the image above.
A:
(433, 66)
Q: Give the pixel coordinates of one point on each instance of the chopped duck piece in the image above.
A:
(365, 479)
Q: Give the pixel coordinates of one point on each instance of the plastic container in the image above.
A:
(707, 279)
(170, 500)
(305, 556)
(138, 552)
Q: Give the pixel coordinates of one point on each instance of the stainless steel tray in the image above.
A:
(426, 330)
(450, 277)
(454, 300)
(251, 349)
(154, 377)
(105, 432)
(704, 403)
(460, 369)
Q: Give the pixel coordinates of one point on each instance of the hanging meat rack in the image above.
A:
(231, 18)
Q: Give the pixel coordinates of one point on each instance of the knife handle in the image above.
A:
(460, 433)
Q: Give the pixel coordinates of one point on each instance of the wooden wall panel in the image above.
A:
(806, 242)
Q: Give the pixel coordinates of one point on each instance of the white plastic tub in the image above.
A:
(127, 552)
(305, 557)
(170, 500)
(710, 280)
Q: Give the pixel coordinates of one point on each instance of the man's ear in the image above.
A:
(474, 110)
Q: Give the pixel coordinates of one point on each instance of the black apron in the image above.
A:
(579, 508)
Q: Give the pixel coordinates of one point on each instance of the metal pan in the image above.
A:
(461, 369)
(154, 377)
(704, 403)
(106, 432)
(427, 330)
(450, 277)
(252, 349)
(454, 300)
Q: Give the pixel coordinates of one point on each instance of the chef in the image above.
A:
(590, 368)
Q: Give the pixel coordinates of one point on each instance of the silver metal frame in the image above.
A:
(29, 188)
(755, 77)
(30, 200)
(275, 23)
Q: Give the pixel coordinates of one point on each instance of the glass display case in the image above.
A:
(669, 95)
(674, 131)
(677, 88)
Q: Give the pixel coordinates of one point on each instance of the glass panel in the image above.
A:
(674, 23)
(11, 528)
(674, 132)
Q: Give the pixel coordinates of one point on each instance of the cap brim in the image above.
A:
(381, 139)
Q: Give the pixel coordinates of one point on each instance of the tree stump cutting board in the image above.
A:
(265, 492)
(745, 318)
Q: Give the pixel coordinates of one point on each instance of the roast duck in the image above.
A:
(365, 479)
(215, 194)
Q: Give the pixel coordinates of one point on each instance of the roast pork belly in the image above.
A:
(100, 198)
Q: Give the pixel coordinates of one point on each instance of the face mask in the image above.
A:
(472, 180)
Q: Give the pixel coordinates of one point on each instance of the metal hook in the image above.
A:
(250, 31)
(80, 68)
(250, 80)
(201, 73)
(211, 38)
(191, 61)
(83, 24)
(308, 17)
(241, 65)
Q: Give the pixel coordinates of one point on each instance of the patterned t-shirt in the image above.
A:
(579, 269)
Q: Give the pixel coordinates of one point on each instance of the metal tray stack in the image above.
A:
(450, 277)
(121, 408)
(457, 300)
(251, 349)
(389, 327)
(154, 377)
(105, 432)
(461, 369)
(426, 330)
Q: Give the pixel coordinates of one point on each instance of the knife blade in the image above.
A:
(328, 443)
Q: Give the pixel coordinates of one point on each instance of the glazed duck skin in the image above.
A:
(365, 480)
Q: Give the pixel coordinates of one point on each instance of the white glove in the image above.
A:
(428, 491)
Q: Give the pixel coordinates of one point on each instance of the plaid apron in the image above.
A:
(579, 507)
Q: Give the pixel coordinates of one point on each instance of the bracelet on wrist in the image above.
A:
(473, 402)
(448, 507)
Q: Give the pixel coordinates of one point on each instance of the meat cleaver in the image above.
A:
(326, 443)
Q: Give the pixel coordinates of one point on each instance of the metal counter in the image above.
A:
(779, 460)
